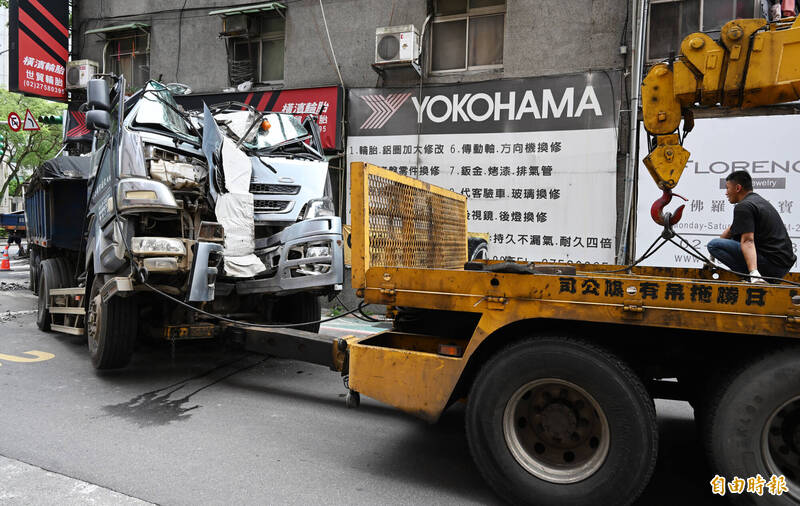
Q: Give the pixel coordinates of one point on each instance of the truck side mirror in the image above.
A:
(97, 95)
(98, 120)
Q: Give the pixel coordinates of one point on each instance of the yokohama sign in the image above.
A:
(568, 102)
(38, 38)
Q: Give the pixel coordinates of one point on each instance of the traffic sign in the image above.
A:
(30, 121)
(14, 123)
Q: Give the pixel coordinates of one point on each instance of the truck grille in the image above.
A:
(274, 206)
(274, 189)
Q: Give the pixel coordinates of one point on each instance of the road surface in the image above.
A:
(214, 426)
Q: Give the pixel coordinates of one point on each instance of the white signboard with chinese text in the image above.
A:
(536, 157)
(765, 146)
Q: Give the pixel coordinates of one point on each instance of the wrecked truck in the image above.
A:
(227, 210)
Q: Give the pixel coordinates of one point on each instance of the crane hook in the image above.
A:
(657, 209)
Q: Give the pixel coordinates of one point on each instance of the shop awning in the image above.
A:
(110, 30)
(248, 9)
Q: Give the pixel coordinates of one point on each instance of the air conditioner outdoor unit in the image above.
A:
(239, 25)
(396, 44)
(79, 72)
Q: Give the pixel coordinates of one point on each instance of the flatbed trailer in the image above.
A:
(559, 364)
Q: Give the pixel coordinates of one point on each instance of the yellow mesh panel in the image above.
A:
(414, 227)
(398, 221)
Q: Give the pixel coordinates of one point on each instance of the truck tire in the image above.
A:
(299, 308)
(48, 278)
(63, 272)
(111, 328)
(477, 249)
(753, 425)
(33, 267)
(558, 421)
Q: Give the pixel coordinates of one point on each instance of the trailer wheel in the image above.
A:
(559, 421)
(299, 308)
(111, 328)
(753, 425)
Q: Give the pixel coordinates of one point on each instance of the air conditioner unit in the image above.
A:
(239, 25)
(396, 44)
(79, 72)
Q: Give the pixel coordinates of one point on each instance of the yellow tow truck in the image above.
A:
(559, 364)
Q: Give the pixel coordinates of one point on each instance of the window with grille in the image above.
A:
(467, 35)
(256, 50)
(672, 20)
(128, 54)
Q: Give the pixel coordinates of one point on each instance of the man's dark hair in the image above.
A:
(741, 177)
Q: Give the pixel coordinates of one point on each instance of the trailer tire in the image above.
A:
(299, 308)
(753, 425)
(558, 421)
(111, 328)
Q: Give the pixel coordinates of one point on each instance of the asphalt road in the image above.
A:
(212, 426)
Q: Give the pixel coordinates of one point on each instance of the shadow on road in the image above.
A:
(173, 402)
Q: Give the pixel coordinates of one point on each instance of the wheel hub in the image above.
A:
(781, 444)
(559, 423)
(556, 430)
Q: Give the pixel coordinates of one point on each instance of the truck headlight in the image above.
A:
(157, 246)
(161, 264)
(136, 193)
(317, 251)
(317, 208)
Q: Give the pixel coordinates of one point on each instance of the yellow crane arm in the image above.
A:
(753, 64)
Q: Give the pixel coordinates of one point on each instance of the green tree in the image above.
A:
(24, 150)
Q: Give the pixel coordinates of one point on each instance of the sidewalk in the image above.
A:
(28, 485)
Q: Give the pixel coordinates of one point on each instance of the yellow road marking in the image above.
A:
(39, 356)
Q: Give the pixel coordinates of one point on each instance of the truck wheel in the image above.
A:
(477, 249)
(558, 421)
(753, 425)
(299, 308)
(63, 272)
(111, 328)
(49, 277)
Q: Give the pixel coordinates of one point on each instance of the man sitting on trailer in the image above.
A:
(756, 242)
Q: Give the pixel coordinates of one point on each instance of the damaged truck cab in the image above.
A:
(148, 210)
(279, 161)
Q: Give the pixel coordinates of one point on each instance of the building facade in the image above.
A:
(525, 106)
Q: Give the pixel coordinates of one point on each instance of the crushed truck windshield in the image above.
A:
(262, 132)
(280, 128)
(158, 109)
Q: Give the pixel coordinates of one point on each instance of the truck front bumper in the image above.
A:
(305, 256)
